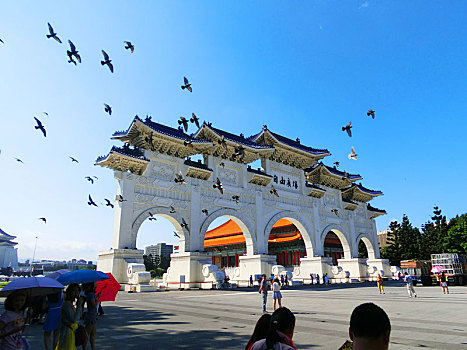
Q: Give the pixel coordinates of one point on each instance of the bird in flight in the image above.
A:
(205, 211)
(371, 113)
(18, 160)
(194, 119)
(352, 154)
(236, 198)
(108, 204)
(176, 234)
(1, 41)
(222, 164)
(129, 46)
(47, 114)
(89, 178)
(187, 85)
(73, 159)
(185, 225)
(52, 34)
(347, 128)
(336, 164)
(179, 179)
(107, 61)
(184, 122)
(151, 217)
(119, 198)
(91, 202)
(172, 210)
(107, 108)
(73, 52)
(40, 126)
(219, 186)
(239, 152)
(335, 211)
(274, 191)
(43, 219)
(346, 175)
(222, 142)
(188, 142)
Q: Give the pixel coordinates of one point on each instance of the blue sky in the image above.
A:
(304, 68)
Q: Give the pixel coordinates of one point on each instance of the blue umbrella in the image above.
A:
(33, 286)
(82, 276)
(57, 273)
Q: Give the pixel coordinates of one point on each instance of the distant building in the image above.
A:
(383, 238)
(8, 252)
(160, 249)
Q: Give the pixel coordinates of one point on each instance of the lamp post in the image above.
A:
(33, 256)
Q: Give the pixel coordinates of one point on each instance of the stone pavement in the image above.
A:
(224, 319)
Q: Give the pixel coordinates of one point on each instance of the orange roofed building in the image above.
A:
(227, 243)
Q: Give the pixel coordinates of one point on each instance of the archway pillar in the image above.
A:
(314, 265)
(356, 267)
(116, 262)
(253, 265)
(122, 236)
(379, 266)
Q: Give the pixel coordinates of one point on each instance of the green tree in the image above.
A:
(434, 235)
(362, 251)
(455, 240)
(404, 242)
(148, 262)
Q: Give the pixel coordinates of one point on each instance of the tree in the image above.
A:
(456, 239)
(148, 262)
(434, 235)
(362, 251)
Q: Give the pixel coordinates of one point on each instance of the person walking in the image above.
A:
(409, 282)
(326, 279)
(264, 291)
(286, 280)
(311, 278)
(379, 282)
(317, 278)
(276, 293)
(69, 316)
(282, 280)
(444, 283)
(251, 281)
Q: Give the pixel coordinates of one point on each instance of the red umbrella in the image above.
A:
(108, 288)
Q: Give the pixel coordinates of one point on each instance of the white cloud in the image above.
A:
(365, 4)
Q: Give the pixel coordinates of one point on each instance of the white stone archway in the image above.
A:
(302, 224)
(243, 222)
(368, 244)
(338, 231)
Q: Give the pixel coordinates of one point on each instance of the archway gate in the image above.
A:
(291, 184)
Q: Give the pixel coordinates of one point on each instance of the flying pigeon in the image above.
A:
(73, 159)
(40, 127)
(108, 204)
(129, 46)
(236, 198)
(1, 41)
(47, 114)
(194, 119)
(91, 202)
(205, 211)
(172, 210)
(222, 142)
(119, 198)
(73, 52)
(94, 176)
(336, 164)
(19, 160)
(239, 152)
(335, 211)
(187, 85)
(273, 191)
(185, 225)
(222, 164)
(188, 142)
(43, 219)
(90, 179)
(52, 34)
(371, 113)
(151, 217)
(184, 122)
(107, 61)
(219, 186)
(179, 179)
(347, 128)
(107, 108)
(176, 234)
(352, 154)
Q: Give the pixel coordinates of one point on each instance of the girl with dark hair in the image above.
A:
(69, 316)
(52, 322)
(261, 329)
(12, 322)
(90, 318)
(280, 332)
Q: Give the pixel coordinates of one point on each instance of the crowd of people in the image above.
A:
(70, 321)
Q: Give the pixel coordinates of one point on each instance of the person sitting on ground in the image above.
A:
(370, 328)
(280, 333)
(261, 330)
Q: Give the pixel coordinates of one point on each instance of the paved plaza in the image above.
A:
(224, 319)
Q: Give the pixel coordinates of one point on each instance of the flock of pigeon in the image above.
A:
(239, 154)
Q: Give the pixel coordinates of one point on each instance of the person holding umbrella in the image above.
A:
(90, 318)
(69, 316)
(12, 322)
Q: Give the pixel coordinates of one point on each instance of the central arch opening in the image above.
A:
(333, 247)
(286, 243)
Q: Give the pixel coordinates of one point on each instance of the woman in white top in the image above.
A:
(276, 292)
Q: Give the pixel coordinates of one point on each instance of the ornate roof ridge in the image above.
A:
(312, 185)
(6, 234)
(256, 171)
(370, 207)
(333, 170)
(126, 151)
(197, 164)
(362, 188)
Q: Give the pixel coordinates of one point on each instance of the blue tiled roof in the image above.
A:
(362, 188)
(291, 143)
(333, 170)
(235, 138)
(6, 234)
(134, 153)
(369, 207)
(256, 171)
(197, 164)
